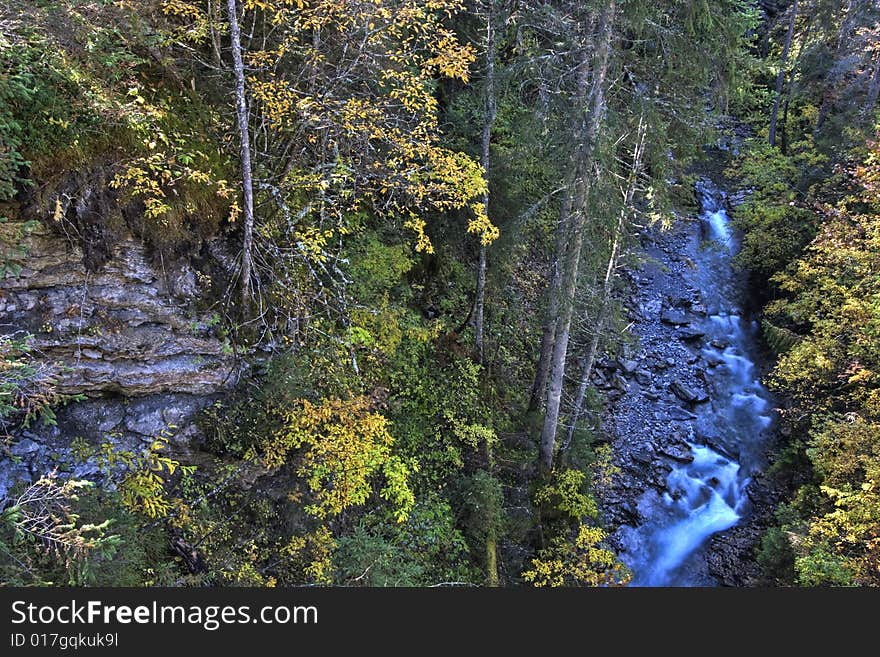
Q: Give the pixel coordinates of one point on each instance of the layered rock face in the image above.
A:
(126, 337)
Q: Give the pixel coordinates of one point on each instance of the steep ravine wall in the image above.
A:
(126, 336)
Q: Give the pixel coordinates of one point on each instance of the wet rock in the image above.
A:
(690, 334)
(676, 453)
(652, 307)
(643, 377)
(652, 396)
(688, 394)
(674, 317)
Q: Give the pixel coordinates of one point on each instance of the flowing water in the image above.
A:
(708, 495)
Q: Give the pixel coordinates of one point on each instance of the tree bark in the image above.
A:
(571, 262)
(247, 182)
(607, 285)
(489, 120)
(828, 85)
(213, 16)
(780, 77)
(548, 334)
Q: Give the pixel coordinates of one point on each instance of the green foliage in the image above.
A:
(28, 389)
(775, 556)
(142, 476)
(566, 494)
(41, 535)
(829, 370)
(13, 236)
(482, 499)
(426, 549)
(775, 223)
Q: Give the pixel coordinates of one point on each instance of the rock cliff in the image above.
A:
(126, 337)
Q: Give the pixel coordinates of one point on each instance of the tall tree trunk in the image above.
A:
(247, 182)
(780, 77)
(214, 18)
(607, 285)
(828, 84)
(548, 334)
(488, 121)
(571, 262)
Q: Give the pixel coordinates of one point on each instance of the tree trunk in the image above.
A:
(489, 120)
(247, 183)
(571, 262)
(828, 85)
(214, 18)
(548, 335)
(491, 560)
(780, 77)
(607, 285)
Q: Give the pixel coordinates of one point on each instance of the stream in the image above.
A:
(706, 490)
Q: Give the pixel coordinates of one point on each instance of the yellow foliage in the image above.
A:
(581, 562)
(346, 444)
(385, 138)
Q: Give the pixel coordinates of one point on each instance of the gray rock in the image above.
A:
(676, 453)
(148, 424)
(674, 317)
(11, 474)
(690, 334)
(24, 447)
(643, 377)
(628, 366)
(643, 455)
(687, 393)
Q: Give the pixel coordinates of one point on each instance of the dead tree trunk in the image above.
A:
(247, 183)
(548, 334)
(607, 284)
(488, 121)
(571, 262)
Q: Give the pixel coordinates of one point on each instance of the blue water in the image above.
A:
(708, 495)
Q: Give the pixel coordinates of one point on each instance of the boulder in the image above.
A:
(674, 317)
(688, 394)
(690, 334)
